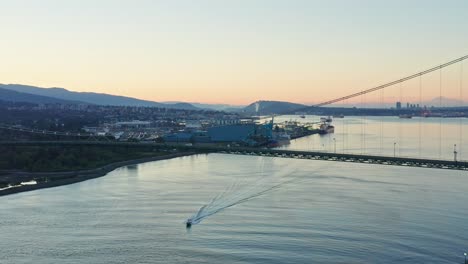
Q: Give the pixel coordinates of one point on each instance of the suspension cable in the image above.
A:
(440, 117)
(420, 114)
(391, 83)
(460, 132)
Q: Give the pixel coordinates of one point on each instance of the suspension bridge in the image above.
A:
(375, 140)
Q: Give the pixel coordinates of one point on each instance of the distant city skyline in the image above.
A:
(234, 52)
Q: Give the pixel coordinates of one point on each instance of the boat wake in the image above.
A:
(242, 191)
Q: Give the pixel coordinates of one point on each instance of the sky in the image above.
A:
(234, 52)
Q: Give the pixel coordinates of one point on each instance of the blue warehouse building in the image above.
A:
(251, 134)
(231, 133)
(240, 132)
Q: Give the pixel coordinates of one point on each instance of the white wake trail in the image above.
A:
(240, 192)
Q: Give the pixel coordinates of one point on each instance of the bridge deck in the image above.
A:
(310, 155)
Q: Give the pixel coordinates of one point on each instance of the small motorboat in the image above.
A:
(188, 224)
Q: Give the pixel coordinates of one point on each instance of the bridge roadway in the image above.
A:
(310, 155)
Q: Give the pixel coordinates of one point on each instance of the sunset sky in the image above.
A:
(233, 52)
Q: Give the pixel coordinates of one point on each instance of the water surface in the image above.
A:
(433, 138)
(326, 212)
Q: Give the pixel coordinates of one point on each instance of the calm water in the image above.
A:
(284, 210)
(417, 137)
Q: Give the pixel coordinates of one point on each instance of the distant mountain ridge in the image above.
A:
(272, 107)
(92, 98)
(280, 107)
(217, 107)
(14, 96)
(33, 94)
(445, 102)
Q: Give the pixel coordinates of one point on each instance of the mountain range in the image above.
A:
(272, 107)
(14, 96)
(35, 94)
(217, 107)
(38, 95)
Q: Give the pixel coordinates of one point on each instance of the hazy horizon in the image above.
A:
(233, 52)
(388, 102)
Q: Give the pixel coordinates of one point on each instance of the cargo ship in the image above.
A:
(326, 128)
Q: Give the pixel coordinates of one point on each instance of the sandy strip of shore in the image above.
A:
(69, 177)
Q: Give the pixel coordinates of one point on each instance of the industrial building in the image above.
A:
(250, 134)
(241, 133)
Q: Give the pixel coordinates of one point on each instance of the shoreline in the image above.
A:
(70, 177)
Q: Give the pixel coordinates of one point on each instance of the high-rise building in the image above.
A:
(398, 105)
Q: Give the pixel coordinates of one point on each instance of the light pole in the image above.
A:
(465, 257)
(455, 152)
(334, 142)
(394, 149)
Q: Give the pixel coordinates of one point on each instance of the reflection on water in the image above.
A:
(330, 213)
(417, 137)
